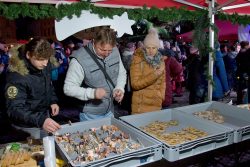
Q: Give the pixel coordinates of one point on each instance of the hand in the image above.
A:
(50, 125)
(227, 93)
(159, 71)
(60, 61)
(54, 109)
(100, 93)
(118, 95)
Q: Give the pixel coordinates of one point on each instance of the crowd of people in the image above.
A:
(101, 78)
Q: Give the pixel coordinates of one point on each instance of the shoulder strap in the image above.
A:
(100, 66)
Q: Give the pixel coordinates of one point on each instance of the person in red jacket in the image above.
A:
(173, 68)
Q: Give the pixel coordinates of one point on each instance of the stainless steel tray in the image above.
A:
(218, 136)
(234, 117)
(151, 151)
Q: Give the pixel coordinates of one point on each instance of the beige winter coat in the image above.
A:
(148, 87)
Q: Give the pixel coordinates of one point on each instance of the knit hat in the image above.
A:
(152, 38)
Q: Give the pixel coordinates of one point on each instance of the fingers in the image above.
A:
(118, 95)
(55, 111)
(50, 125)
(100, 93)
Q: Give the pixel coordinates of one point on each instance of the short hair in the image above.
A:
(243, 44)
(39, 48)
(106, 36)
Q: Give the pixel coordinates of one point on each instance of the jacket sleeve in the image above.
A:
(175, 67)
(18, 108)
(73, 82)
(122, 76)
(163, 84)
(53, 99)
(140, 80)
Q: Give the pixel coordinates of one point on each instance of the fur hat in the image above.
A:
(152, 38)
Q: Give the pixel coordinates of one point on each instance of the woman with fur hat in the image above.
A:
(147, 72)
(30, 98)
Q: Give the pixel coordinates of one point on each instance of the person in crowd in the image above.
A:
(30, 98)
(59, 73)
(221, 88)
(179, 79)
(196, 77)
(243, 62)
(224, 50)
(86, 80)
(69, 47)
(4, 57)
(173, 68)
(231, 67)
(147, 74)
(127, 56)
(61, 58)
(139, 44)
(184, 48)
(167, 48)
(4, 62)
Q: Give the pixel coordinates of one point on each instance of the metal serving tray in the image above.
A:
(151, 151)
(218, 136)
(234, 117)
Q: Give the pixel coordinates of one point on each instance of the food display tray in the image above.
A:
(234, 117)
(218, 136)
(150, 152)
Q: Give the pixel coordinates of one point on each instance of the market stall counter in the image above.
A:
(223, 114)
(106, 142)
(171, 137)
(181, 134)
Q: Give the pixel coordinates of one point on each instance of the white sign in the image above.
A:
(67, 27)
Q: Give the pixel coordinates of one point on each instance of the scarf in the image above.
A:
(154, 61)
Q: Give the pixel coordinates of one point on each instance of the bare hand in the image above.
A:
(60, 61)
(100, 93)
(50, 125)
(54, 109)
(159, 71)
(118, 95)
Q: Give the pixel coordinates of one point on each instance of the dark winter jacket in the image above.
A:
(243, 63)
(29, 93)
(196, 78)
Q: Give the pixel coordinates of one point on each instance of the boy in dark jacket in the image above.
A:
(29, 91)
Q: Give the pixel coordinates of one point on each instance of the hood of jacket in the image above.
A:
(20, 64)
